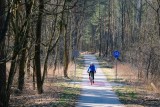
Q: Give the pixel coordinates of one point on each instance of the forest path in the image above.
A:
(99, 94)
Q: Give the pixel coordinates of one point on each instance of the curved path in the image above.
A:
(99, 94)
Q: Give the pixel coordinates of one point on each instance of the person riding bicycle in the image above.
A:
(91, 70)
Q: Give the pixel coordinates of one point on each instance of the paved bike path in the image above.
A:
(99, 94)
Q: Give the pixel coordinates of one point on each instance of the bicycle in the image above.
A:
(91, 70)
(91, 78)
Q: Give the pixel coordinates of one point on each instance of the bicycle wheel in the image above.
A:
(91, 79)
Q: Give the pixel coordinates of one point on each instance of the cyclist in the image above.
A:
(91, 70)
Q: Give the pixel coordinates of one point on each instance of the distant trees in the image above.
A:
(132, 27)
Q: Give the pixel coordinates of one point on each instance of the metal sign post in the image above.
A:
(116, 54)
(75, 70)
(116, 68)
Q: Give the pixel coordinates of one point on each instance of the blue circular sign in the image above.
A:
(116, 54)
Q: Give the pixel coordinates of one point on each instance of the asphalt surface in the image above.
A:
(99, 94)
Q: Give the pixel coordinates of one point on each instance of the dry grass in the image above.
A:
(126, 72)
(131, 91)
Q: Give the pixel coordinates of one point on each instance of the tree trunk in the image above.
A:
(2, 75)
(33, 76)
(110, 34)
(123, 28)
(158, 17)
(16, 50)
(12, 70)
(65, 56)
(149, 63)
(37, 47)
(66, 52)
(4, 21)
(100, 32)
(2, 57)
(28, 66)
(23, 55)
(22, 69)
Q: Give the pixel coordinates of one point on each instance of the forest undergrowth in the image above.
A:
(58, 91)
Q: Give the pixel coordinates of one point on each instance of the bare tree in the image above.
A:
(2, 55)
